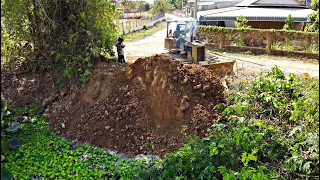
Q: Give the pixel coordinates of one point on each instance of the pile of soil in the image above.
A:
(151, 105)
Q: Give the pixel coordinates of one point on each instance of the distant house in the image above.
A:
(204, 5)
(263, 14)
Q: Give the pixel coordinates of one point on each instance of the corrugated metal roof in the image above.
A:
(213, 1)
(215, 11)
(206, 3)
(269, 3)
(246, 3)
(257, 14)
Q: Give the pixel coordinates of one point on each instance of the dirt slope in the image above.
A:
(140, 108)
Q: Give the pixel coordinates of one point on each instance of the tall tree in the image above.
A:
(45, 33)
(161, 7)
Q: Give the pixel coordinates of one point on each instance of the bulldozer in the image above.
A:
(181, 39)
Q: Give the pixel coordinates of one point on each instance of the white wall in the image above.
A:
(278, 2)
(229, 23)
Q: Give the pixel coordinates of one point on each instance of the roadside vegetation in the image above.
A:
(49, 34)
(144, 32)
(268, 129)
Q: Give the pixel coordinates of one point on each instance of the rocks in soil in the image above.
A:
(184, 105)
(197, 87)
(123, 108)
(206, 87)
(46, 102)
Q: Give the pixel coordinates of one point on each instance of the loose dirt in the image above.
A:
(151, 105)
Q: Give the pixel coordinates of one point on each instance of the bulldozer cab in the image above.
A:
(180, 38)
(179, 31)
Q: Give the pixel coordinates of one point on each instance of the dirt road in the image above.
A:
(155, 45)
(148, 46)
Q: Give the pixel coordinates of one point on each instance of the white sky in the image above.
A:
(149, 1)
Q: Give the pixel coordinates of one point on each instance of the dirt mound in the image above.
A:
(151, 105)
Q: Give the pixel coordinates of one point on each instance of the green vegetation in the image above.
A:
(43, 154)
(268, 130)
(144, 32)
(281, 39)
(47, 34)
(242, 22)
(285, 33)
(288, 23)
(314, 18)
(161, 7)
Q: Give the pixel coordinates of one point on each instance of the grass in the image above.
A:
(46, 155)
(144, 33)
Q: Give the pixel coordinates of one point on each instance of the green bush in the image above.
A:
(145, 27)
(271, 132)
(46, 34)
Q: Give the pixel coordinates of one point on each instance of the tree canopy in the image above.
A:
(314, 17)
(161, 6)
(45, 34)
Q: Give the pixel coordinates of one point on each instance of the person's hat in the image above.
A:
(120, 39)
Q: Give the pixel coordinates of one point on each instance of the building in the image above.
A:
(204, 5)
(263, 14)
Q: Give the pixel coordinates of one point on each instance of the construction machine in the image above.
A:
(181, 39)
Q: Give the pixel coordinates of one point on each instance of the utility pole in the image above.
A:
(195, 8)
(182, 6)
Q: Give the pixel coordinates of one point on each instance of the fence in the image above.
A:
(129, 25)
(260, 41)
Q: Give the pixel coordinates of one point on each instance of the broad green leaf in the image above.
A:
(14, 127)
(14, 142)
(5, 174)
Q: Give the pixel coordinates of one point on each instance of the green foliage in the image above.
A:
(145, 27)
(314, 4)
(313, 17)
(271, 133)
(247, 36)
(45, 155)
(314, 25)
(147, 7)
(161, 7)
(288, 23)
(242, 22)
(143, 33)
(47, 34)
(175, 3)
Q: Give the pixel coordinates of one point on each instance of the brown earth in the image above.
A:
(20, 88)
(151, 105)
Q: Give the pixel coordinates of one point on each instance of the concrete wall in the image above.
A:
(278, 2)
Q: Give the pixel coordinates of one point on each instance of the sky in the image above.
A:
(149, 1)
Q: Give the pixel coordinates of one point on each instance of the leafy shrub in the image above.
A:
(288, 23)
(145, 27)
(242, 22)
(271, 132)
(46, 34)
